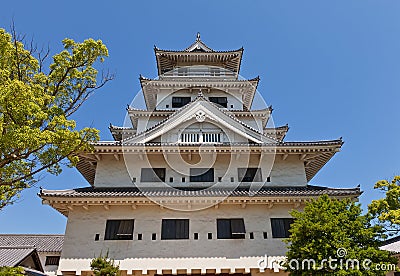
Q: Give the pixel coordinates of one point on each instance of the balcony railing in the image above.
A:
(200, 71)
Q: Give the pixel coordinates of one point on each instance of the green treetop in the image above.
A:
(36, 132)
(336, 229)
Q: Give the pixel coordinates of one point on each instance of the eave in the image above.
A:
(277, 132)
(167, 60)
(151, 88)
(314, 154)
(84, 198)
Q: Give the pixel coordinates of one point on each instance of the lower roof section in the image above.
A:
(42, 242)
(309, 190)
(65, 201)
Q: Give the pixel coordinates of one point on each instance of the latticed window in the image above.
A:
(202, 137)
(52, 260)
(211, 137)
(190, 137)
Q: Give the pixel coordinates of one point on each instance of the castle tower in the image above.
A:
(197, 183)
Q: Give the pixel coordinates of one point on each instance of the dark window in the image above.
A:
(265, 235)
(268, 179)
(175, 229)
(153, 236)
(201, 175)
(196, 236)
(251, 236)
(119, 229)
(219, 178)
(230, 229)
(52, 260)
(209, 236)
(139, 237)
(97, 237)
(222, 101)
(183, 179)
(180, 101)
(280, 227)
(232, 179)
(171, 179)
(153, 175)
(249, 174)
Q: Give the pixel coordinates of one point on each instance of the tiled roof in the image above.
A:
(308, 190)
(392, 245)
(42, 243)
(13, 255)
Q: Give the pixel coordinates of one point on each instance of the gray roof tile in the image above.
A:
(42, 243)
(308, 190)
(12, 256)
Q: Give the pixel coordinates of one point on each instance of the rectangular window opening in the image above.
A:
(180, 101)
(153, 236)
(196, 236)
(222, 101)
(202, 175)
(280, 227)
(52, 260)
(249, 174)
(153, 175)
(119, 229)
(230, 229)
(209, 236)
(97, 237)
(175, 229)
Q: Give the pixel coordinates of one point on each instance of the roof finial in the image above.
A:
(198, 36)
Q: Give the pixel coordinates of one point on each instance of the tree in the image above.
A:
(387, 210)
(36, 104)
(330, 229)
(11, 271)
(103, 266)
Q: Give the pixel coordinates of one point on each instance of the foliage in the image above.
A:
(36, 131)
(387, 209)
(11, 271)
(103, 266)
(332, 228)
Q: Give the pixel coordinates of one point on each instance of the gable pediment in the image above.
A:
(198, 111)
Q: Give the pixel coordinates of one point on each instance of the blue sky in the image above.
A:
(330, 69)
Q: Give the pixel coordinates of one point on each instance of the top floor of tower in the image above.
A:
(198, 60)
(198, 70)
